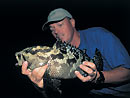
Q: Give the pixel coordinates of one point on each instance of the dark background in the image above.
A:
(20, 27)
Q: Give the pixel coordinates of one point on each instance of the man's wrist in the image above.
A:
(40, 84)
(100, 78)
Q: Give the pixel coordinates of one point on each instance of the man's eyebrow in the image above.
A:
(51, 26)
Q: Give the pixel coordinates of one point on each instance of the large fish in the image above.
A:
(62, 59)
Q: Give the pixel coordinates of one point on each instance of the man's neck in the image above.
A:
(76, 39)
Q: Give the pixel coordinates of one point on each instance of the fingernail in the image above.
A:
(84, 62)
(76, 72)
(80, 66)
(25, 62)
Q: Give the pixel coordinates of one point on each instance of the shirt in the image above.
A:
(113, 53)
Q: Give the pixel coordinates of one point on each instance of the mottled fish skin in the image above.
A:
(62, 59)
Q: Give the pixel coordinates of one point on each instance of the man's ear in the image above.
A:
(72, 22)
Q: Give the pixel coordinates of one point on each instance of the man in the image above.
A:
(115, 76)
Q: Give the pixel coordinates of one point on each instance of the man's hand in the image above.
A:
(89, 68)
(36, 76)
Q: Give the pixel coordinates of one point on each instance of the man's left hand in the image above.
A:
(89, 68)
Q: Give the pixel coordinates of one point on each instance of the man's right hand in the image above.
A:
(36, 76)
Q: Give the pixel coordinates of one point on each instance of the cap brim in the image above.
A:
(44, 27)
(46, 24)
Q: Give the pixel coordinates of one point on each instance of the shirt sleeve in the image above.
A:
(114, 51)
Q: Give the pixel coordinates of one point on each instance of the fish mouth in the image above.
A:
(20, 58)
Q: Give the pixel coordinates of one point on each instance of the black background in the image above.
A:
(20, 27)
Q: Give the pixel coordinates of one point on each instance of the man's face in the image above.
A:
(63, 29)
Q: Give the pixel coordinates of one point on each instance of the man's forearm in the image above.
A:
(117, 75)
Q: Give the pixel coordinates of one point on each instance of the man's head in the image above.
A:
(57, 15)
(61, 24)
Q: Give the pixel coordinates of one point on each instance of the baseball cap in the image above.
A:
(56, 15)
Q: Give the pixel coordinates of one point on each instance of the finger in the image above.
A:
(86, 69)
(82, 78)
(43, 69)
(77, 73)
(38, 73)
(88, 78)
(90, 64)
(24, 68)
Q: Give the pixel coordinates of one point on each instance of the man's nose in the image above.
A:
(56, 31)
